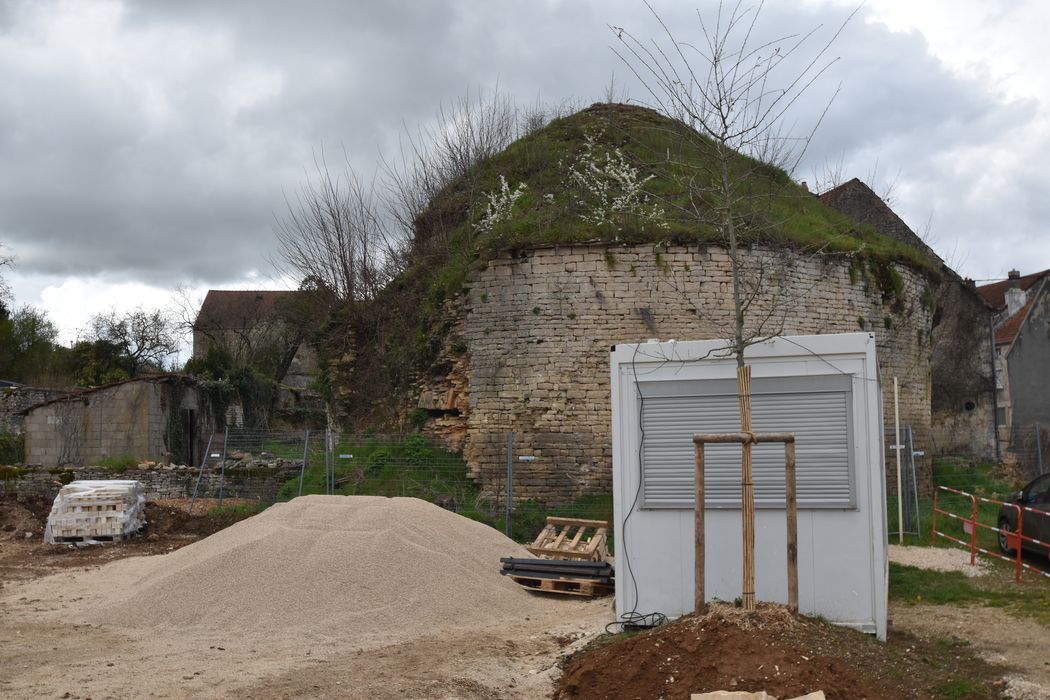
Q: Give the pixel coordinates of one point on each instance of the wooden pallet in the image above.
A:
(572, 538)
(563, 586)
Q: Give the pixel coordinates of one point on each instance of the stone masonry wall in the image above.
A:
(538, 327)
(15, 399)
(126, 419)
(259, 483)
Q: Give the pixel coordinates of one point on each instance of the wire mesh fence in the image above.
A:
(1024, 454)
(275, 466)
(413, 465)
(903, 496)
(1026, 448)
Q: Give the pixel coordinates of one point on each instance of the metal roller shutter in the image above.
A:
(816, 409)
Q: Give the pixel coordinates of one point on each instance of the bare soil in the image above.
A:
(24, 555)
(785, 655)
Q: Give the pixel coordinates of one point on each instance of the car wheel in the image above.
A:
(1004, 539)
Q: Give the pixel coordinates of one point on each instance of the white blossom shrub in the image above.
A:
(612, 190)
(499, 207)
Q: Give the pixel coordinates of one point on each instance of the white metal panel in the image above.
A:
(842, 552)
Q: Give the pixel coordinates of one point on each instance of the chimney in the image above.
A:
(1015, 299)
(804, 186)
(1013, 274)
(970, 283)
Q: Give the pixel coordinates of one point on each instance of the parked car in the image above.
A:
(1036, 525)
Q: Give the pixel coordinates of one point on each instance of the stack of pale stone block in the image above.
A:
(96, 511)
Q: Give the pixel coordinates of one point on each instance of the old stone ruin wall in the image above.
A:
(14, 400)
(258, 482)
(538, 327)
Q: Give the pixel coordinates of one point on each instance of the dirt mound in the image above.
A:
(785, 655)
(368, 567)
(19, 516)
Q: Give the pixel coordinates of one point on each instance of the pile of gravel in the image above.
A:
(939, 559)
(363, 567)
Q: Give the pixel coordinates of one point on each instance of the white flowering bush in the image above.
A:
(499, 207)
(611, 189)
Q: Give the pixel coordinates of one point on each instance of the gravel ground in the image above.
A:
(938, 559)
(318, 596)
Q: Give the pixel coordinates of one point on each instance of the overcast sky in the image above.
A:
(144, 145)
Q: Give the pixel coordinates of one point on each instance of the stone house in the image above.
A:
(149, 418)
(1022, 345)
(962, 394)
(253, 327)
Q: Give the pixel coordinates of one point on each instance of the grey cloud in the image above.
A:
(145, 172)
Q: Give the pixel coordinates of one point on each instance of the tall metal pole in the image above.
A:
(995, 391)
(510, 483)
(897, 450)
(1039, 448)
(302, 469)
(222, 467)
(327, 465)
(200, 473)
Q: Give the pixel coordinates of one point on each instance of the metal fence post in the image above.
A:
(510, 483)
(302, 469)
(327, 464)
(222, 468)
(1039, 448)
(914, 483)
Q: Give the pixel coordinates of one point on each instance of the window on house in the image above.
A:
(818, 410)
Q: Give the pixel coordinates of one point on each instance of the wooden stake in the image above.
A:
(743, 382)
(699, 604)
(792, 524)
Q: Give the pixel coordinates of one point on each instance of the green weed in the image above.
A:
(118, 464)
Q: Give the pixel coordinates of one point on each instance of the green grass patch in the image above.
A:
(237, 511)
(118, 464)
(980, 479)
(1030, 599)
(413, 467)
(961, 689)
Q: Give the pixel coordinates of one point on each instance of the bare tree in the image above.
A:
(149, 340)
(734, 92)
(5, 288)
(463, 134)
(727, 88)
(334, 233)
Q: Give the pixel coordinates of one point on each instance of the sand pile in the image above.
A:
(363, 566)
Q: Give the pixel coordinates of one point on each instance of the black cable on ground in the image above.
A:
(634, 621)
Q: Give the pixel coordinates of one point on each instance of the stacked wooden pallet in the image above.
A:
(572, 538)
(96, 511)
(573, 559)
(566, 576)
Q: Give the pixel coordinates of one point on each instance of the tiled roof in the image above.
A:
(1005, 334)
(77, 394)
(995, 293)
(238, 308)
